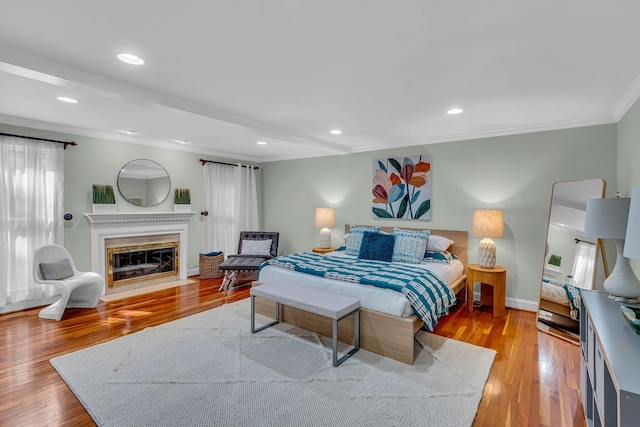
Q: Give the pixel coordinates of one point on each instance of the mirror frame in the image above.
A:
(156, 168)
(599, 252)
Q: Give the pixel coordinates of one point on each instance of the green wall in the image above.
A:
(98, 161)
(512, 173)
(629, 162)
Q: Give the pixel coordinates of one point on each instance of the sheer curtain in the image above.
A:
(31, 213)
(230, 197)
(583, 264)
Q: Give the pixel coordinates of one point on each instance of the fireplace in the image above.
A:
(136, 260)
(163, 236)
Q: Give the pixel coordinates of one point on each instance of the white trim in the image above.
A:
(628, 99)
(517, 303)
(132, 224)
(25, 305)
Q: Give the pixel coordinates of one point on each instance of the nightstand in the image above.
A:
(319, 250)
(493, 283)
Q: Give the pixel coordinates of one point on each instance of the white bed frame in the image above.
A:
(380, 333)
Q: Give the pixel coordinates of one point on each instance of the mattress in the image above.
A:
(382, 300)
(554, 293)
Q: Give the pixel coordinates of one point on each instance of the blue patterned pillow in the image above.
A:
(377, 246)
(439, 257)
(354, 238)
(56, 270)
(410, 245)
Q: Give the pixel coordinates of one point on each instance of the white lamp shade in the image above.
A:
(325, 218)
(632, 241)
(607, 218)
(488, 223)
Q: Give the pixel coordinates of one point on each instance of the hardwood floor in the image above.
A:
(534, 380)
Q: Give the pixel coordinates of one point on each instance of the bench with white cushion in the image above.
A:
(322, 303)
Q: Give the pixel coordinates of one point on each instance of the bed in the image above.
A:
(557, 308)
(386, 328)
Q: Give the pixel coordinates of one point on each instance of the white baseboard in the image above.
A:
(25, 305)
(517, 303)
(193, 271)
(522, 304)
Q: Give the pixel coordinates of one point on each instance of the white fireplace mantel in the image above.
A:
(134, 224)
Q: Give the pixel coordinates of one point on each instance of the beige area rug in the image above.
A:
(209, 370)
(145, 290)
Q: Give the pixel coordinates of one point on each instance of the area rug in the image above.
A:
(209, 370)
(146, 290)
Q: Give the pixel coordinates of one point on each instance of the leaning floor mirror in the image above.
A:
(571, 259)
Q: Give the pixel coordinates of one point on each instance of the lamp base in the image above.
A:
(622, 282)
(487, 253)
(623, 299)
(325, 238)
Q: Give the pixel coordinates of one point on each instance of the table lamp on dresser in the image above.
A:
(607, 219)
(632, 237)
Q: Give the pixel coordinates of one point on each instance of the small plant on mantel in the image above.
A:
(103, 194)
(182, 196)
(104, 199)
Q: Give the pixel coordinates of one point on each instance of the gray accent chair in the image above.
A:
(247, 263)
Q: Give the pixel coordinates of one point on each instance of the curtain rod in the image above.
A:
(203, 161)
(73, 144)
(579, 240)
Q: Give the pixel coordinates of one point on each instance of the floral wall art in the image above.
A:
(402, 188)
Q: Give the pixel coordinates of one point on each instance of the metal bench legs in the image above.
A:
(336, 361)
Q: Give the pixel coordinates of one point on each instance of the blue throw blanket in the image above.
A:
(430, 298)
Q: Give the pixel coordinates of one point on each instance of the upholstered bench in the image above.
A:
(322, 303)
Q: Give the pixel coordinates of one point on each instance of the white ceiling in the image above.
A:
(223, 75)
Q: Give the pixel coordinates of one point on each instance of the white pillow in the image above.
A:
(256, 247)
(438, 243)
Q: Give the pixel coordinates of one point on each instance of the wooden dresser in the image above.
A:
(609, 362)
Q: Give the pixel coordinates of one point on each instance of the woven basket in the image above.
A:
(210, 266)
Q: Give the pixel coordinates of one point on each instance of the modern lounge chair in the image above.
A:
(253, 250)
(53, 266)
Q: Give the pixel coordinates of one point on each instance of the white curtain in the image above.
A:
(230, 197)
(31, 212)
(583, 264)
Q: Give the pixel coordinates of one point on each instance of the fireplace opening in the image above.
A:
(132, 266)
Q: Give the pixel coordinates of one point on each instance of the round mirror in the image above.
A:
(144, 183)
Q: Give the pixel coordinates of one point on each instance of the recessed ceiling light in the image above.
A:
(181, 141)
(261, 143)
(67, 99)
(129, 132)
(130, 59)
(455, 111)
(335, 132)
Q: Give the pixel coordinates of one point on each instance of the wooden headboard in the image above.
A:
(459, 248)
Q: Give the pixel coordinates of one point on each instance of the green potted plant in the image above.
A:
(182, 200)
(104, 199)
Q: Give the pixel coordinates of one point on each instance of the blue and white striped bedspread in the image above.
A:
(430, 298)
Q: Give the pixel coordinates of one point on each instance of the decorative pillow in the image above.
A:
(439, 257)
(410, 245)
(438, 243)
(256, 247)
(376, 246)
(56, 270)
(354, 238)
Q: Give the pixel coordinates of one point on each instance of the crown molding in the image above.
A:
(628, 99)
(515, 130)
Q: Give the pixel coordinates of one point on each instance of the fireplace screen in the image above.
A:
(141, 262)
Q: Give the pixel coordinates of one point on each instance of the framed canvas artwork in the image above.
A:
(402, 188)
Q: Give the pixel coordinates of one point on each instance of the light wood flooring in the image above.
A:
(534, 380)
